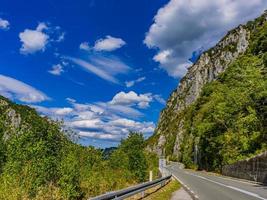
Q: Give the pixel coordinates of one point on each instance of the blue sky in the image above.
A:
(107, 66)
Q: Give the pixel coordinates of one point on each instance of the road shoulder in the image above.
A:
(181, 194)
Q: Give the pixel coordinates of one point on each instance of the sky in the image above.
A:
(107, 67)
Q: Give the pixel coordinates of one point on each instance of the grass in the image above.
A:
(159, 193)
(165, 192)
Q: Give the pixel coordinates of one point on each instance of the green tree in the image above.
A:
(133, 146)
(2, 150)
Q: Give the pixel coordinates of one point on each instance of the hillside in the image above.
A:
(38, 160)
(217, 115)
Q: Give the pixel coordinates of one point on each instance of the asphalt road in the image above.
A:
(212, 187)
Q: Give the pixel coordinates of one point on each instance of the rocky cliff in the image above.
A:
(170, 130)
(17, 119)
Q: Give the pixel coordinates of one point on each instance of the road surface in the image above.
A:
(212, 187)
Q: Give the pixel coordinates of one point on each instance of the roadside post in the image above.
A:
(150, 175)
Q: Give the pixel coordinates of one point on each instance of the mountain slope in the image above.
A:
(217, 115)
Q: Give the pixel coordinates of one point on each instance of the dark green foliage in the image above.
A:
(69, 169)
(36, 152)
(2, 150)
(229, 118)
(133, 156)
(259, 38)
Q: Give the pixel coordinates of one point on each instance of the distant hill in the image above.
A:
(108, 151)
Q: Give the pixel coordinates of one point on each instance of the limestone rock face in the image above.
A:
(14, 118)
(209, 65)
(11, 118)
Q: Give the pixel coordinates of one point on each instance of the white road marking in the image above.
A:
(192, 193)
(231, 187)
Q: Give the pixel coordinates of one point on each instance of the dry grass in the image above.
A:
(159, 193)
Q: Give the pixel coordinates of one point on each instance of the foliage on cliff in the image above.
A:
(39, 161)
(227, 122)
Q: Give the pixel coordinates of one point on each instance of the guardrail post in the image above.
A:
(150, 176)
(163, 183)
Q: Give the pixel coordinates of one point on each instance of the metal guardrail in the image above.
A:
(124, 193)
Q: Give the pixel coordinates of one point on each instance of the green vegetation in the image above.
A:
(165, 192)
(39, 161)
(228, 122)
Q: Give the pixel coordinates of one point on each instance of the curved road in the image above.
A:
(212, 187)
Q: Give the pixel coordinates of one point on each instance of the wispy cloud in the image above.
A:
(159, 99)
(94, 69)
(133, 82)
(111, 64)
(56, 70)
(104, 67)
(15, 89)
(54, 111)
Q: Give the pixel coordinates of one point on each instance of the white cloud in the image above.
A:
(97, 135)
(99, 120)
(33, 40)
(104, 67)
(14, 89)
(54, 111)
(133, 82)
(109, 44)
(41, 27)
(182, 27)
(162, 56)
(85, 46)
(38, 39)
(131, 98)
(56, 70)
(111, 120)
(4, 24)
(113, 129)
(121, 110)
(86, 123)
